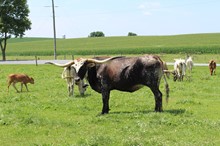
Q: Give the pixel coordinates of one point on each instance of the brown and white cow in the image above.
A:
(69, 74)
(124, 74)
(212, 67)
(22, 78)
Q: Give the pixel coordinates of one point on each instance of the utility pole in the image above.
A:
(54, 32)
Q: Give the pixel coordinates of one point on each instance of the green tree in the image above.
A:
(97, 34)
(14, 21)
(132, 34)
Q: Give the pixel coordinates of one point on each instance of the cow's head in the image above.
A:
(175, 76)
(31, 80)
(82, 86)
(82, 65)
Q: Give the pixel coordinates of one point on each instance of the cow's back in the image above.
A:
(130, 73)
(18, 78)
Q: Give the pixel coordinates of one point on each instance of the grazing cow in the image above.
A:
(179, 69)
(212, 67)
(189, 63)
(69, 74)
(124, 74)
(23, 78)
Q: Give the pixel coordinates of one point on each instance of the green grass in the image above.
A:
(47, 116)
(192, 43)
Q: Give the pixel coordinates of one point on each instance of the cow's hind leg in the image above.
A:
(158, 99)
(9, 83)
(15, 86)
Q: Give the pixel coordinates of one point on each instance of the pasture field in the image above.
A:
(47, 116)
(190, 43)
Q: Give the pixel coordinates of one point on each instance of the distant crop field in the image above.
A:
(47, 116)
(192, 43)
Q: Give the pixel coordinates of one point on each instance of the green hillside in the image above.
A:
(191, 43)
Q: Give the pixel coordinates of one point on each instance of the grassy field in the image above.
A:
(47, 116)
(192, 43)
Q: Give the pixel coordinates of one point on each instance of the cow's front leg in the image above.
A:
(21, 86)
(105, 101)
(105, 97)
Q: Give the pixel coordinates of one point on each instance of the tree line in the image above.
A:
(101, 34)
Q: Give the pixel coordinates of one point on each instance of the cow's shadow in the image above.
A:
(172, 112)
(176, 111)
(82, 96)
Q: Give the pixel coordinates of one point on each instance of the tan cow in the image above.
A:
(189, 63)
(212, 67)
(23, 78)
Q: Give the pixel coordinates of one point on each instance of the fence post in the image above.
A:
(72, 57)
(36, 61)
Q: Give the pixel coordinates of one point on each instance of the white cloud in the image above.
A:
(142, 6)
(147, 13)
(148, 7)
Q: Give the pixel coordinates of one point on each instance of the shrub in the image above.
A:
(97, 34)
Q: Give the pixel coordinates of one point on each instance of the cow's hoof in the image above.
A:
(158, 110)
(101, 114)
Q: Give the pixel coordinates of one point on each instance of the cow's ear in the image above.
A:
(90, 65)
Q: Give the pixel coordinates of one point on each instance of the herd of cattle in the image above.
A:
(119, 73)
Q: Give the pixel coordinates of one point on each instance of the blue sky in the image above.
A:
(77, 18)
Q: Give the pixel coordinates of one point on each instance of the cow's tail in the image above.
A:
(166, 88)
(166, 83)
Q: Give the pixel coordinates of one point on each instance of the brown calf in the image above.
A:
(24, 79)
(212, 66)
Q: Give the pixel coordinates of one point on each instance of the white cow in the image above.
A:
(69, 74)
(179, 69)
(189, 63)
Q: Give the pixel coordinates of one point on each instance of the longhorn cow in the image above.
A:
(124, 74)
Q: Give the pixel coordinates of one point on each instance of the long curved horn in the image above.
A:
(102, 61)
(61, 65)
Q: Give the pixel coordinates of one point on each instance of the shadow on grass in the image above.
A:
(173, 112)
(132, 112)
(82, 96)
